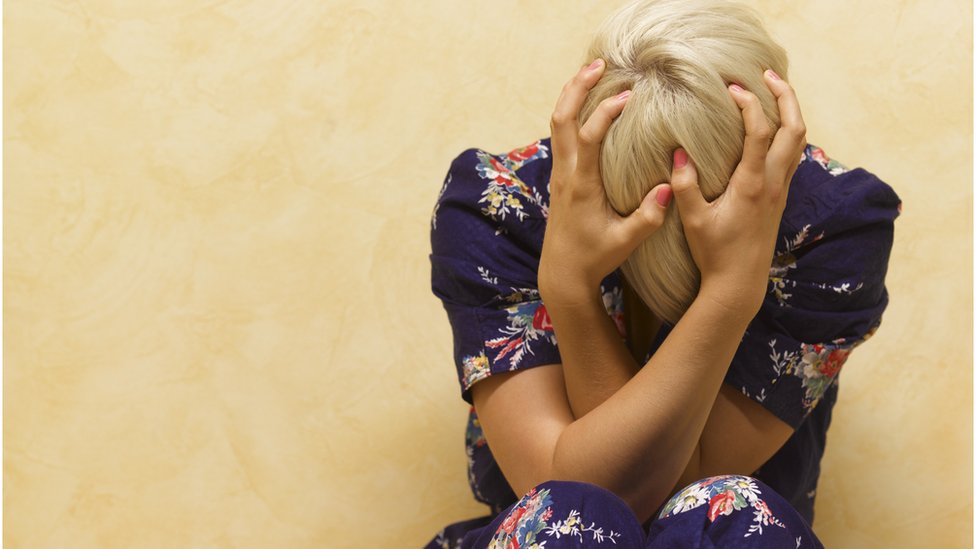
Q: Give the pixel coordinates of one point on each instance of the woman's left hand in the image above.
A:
(585, 238)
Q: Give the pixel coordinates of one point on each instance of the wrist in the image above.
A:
(739, 302)
(559, 289)
(567, 294)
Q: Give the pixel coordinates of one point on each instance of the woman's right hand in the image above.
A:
(585, 239)
(732, 238)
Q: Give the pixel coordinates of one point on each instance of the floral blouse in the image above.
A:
(826, 295)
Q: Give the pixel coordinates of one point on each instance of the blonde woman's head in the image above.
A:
(677, 57)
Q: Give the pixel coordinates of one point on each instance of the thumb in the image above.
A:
(649, 216)
(684, 180)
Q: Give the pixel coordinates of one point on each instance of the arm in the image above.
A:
(658, 416)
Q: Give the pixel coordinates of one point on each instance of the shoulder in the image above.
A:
(486, 239)
(826, 292)
(836, 236)
(490, 215)
(826, 194)
(510, 185)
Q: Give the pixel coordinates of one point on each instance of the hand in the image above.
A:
(732, 238)
(585, 238)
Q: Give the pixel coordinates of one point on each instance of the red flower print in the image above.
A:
(618, 321)
(526, 153)
(710, 481)
(831, 365)
(721, 504)
(509, 345)
(541, 320)
(498, 166)
(512, 520)
(763, 508)
(547, 514)
(819, 155)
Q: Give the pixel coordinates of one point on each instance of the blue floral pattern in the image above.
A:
(523, 526)
(724, 495)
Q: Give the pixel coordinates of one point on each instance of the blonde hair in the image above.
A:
(678, 57)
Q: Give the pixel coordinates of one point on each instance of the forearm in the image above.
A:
(595, 361)
(638, 441)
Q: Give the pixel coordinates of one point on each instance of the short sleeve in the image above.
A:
(486, 240)
(826, 292)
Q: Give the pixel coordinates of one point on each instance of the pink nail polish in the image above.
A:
(773, 75)
(623, 95)
(595, 65)
(736, 88)
(680, 158)
(663, 196)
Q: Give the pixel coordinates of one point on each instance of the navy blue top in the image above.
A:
(826, 295)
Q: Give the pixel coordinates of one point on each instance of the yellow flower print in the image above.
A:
(475, 368)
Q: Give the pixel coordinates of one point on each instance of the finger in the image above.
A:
(684, 183)
(790, 139)
(594, 130)
(758, 133)
(648, 217)
(564, 124)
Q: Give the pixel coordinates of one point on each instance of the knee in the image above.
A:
(578, 509)
(575, 494)
(721, 494)
(724, 504)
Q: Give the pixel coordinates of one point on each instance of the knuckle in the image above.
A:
(756, 191)
(762, 132)
(684, 183)
(797, 132)
(586, 137)
(653, 219)
(559, 118)
(621, 237)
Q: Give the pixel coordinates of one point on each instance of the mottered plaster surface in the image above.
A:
(218, 324)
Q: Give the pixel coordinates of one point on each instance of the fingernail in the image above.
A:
(595, 65)
(736, 88)
(623, 95)
(664, 196)
(773, 75)
(680, 158)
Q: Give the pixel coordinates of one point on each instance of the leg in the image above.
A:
(562, 514)
(730, 511)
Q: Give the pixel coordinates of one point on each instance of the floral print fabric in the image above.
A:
(826, 296)
(530, 524)
(723, 511)
(724, 495)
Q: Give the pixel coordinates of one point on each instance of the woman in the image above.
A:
(741, 300)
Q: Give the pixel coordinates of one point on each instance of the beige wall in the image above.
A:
(219, 330)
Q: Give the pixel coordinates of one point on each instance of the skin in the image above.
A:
(597, 417)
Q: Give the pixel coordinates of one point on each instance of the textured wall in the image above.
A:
(219, 331)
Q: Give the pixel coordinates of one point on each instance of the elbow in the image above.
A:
(570, 463)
